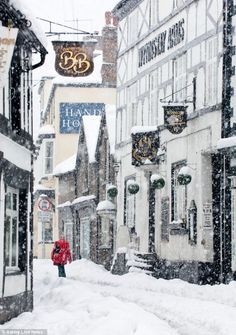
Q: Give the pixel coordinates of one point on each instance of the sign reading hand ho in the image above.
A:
(74, 58)
(71, 115)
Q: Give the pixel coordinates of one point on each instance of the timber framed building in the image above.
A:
(176, 55)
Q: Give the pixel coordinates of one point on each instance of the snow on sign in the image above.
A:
(44, 205)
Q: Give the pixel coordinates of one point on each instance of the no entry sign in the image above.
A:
(44, 204)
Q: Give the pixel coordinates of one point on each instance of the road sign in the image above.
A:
(44, 204)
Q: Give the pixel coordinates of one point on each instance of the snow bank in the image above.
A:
(91, 301)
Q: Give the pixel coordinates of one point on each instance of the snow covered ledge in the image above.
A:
(229, 142)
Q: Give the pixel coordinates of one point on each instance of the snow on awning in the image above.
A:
(143, 129)
(228, 142)
(66, 166)
(83, 199)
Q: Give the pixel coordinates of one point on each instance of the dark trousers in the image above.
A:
(61, 271)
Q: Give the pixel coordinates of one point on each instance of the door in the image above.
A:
(85, 237)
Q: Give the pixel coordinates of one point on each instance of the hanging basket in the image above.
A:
(133, 188)
(112, 191)
(184, 179)
(157, 181)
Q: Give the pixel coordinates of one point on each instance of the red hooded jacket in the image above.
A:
(61, 253)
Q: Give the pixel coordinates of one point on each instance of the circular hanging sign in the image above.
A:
(44, 204)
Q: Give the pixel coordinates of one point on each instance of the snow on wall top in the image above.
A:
(91, 130)
(111, 125)
(46, 130)
(105, 205)
(66, 166)
(143, 129)
(22, 6)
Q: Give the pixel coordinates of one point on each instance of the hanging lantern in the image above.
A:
(133, 186)
(157, 181)
(184, 177)
(112, 191)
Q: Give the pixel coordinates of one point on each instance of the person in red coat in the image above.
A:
(60, 255)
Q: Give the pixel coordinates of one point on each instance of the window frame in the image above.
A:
(48, 141)
(176, 190)
(129, 204)
(179, 74)
(12, 213)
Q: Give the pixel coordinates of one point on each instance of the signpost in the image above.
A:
(44, 206)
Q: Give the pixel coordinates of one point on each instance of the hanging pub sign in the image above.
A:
(144, 147)
(175, 118)
(7, 43)
(74, 58)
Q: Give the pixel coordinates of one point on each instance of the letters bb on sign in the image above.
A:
(74, 59)
(144, 148)
(175, 118)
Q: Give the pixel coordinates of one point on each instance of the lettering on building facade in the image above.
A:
(7, 43)
(71, 115)
(166, 40)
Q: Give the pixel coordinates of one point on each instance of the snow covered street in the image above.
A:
(92, 301)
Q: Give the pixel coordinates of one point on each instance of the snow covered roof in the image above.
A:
(66, 166)
(65, 204)
(111, 125)
(91, 130)
(226, 142)
(23, 7)
(143, 129)
(82, 199)
(46, 130)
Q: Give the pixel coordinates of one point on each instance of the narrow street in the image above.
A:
(92, 301)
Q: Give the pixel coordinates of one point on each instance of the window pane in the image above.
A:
(7, 241)
(8, 200)
(48, 157)
(14, 207)
(14, 240)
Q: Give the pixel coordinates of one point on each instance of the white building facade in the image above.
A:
(17, 44)
(171, 54)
